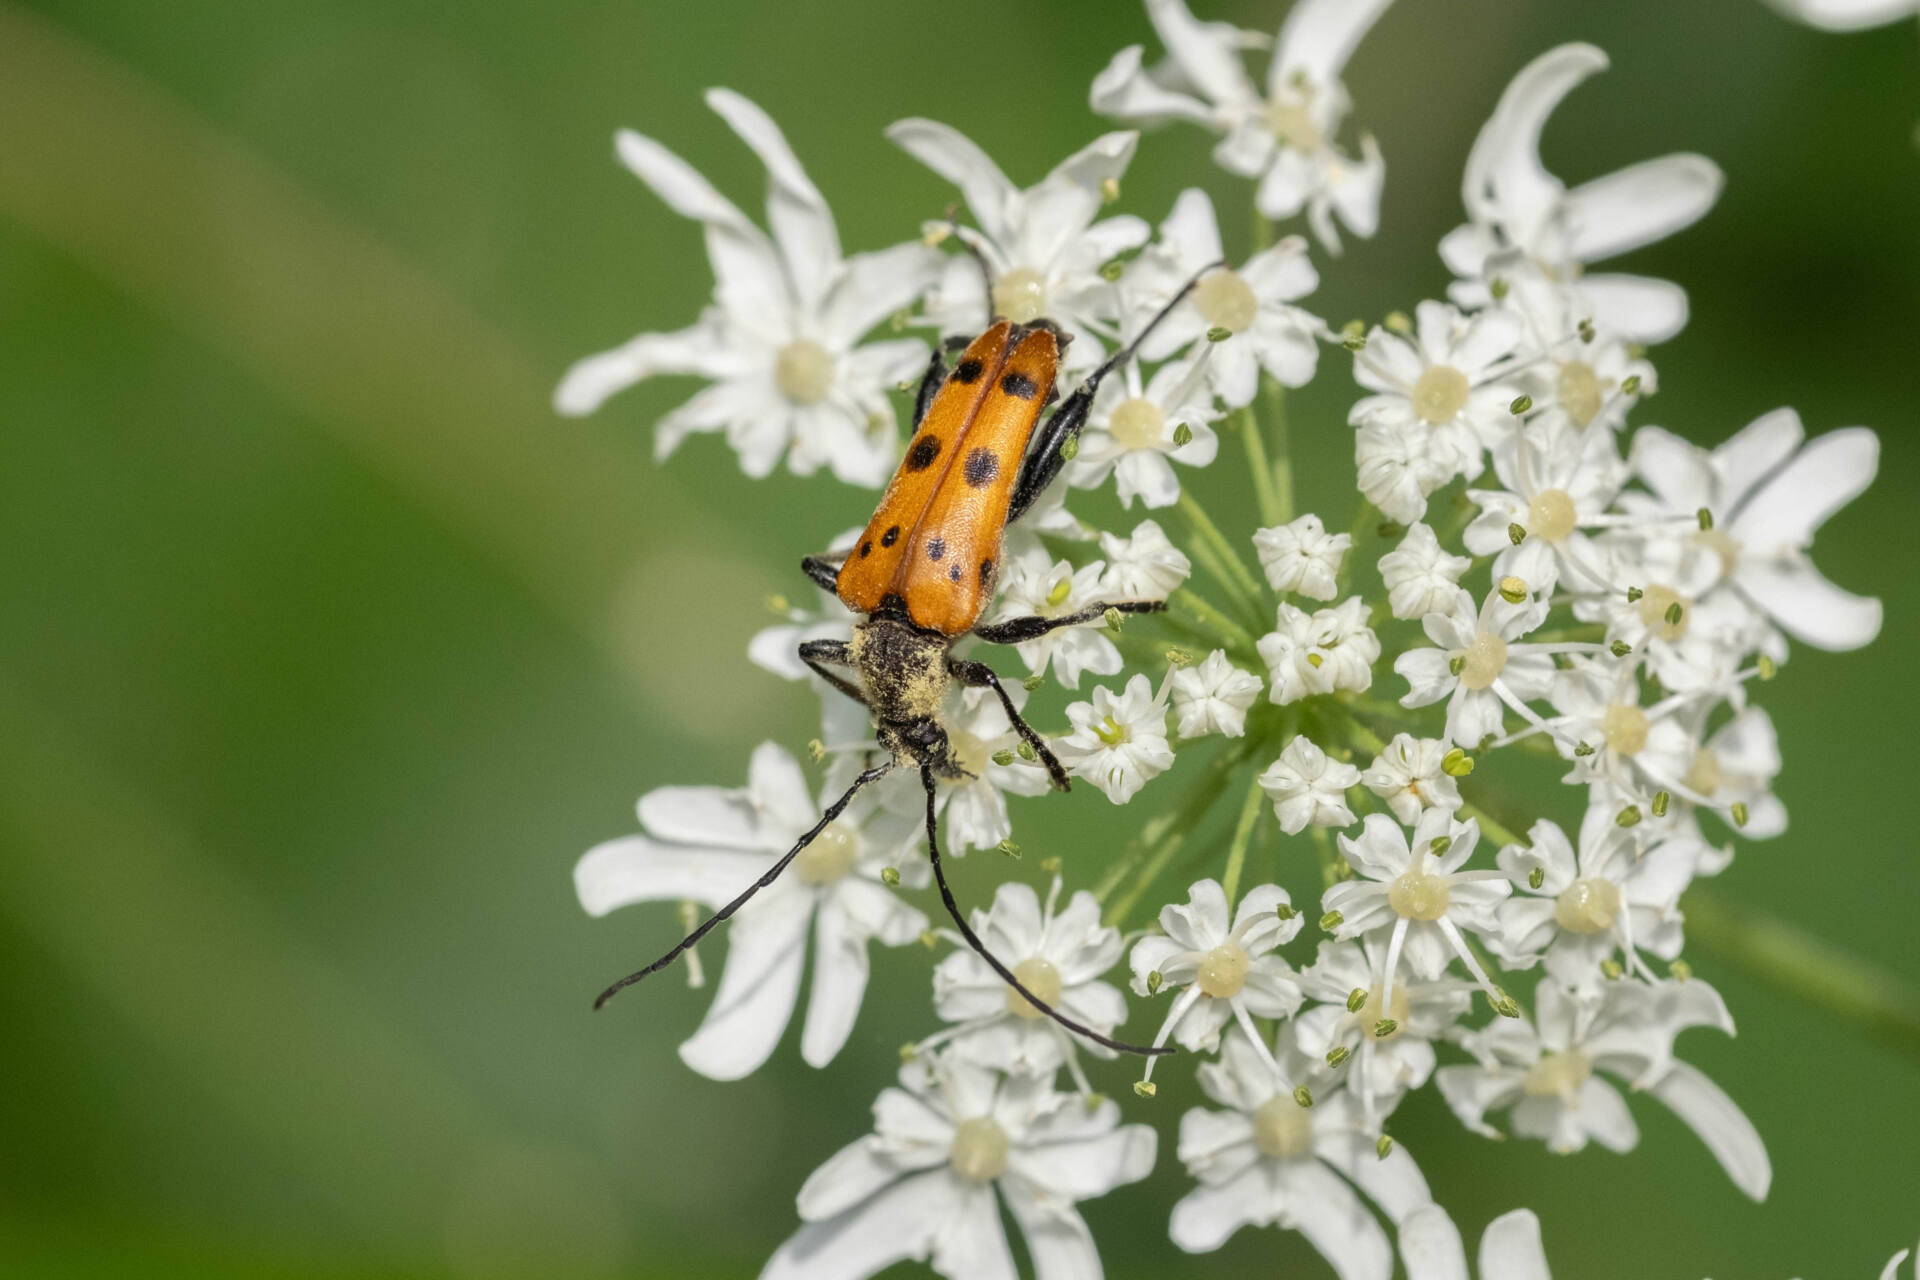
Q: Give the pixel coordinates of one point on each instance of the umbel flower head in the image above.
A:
(1345, 719)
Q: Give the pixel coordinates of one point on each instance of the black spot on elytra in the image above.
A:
(983, 465)
(924, 451)
(968, 371)
(953, 574)
(986, 572)
(890, 537)
(1019, 385)
(866, 549)
(937, 549)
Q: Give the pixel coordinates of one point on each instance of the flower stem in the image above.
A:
(1221, 558)
(1877, 1004)
(1264, 495)
(1281, 467)
(1242, 837)
(1150, 851)
(1491, 827)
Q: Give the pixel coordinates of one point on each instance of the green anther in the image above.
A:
(1513, 590)
(1706, 519)
(929, 939)
(1058, 593)
(816, 750)
(1536, 877)
(1003, 757)
(1109, 190)
(1520, 405)
(1620, 648)
(1052, 865)
(778, 604)
(1008, 848)
(1144, 1088)
(1505, 1006)
(1582, 750)
(1114, 620)
(890, 877)
(1660, 802)
(1026, 752)
(1497, 287)
(1456, 664)
(1384, 1028)
(1303, 1095)
(1767, 667)
(1611, 970)
(1284, 912)
(1439, 845)
(1399, 322)
(1516, 534)
(1384, 1147)
(1111, 732)
(1179, 657)
(1586, 331)
(1069, 448)
(908, 1052)
(1739, 814)
(1680, 970)
(1219, 333)
(1337, 1055)
(1353, 336)
(905, 384)
(1628, 817)
(1356, 999)
(1331, 921)
(1094, 1101)
(1314, 660)
(1456, 763)
(1634, 594)
(1111, 271)
(1632, 385)
(1183, 434)
(1154, 982)
(1672, 615)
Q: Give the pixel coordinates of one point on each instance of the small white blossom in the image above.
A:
(1035, 584)
(779, 341)
(1320, 652)
(1389, 1038)
(1136, 433)
(1420, 576)
(1143, 565)
(1213, 697)
(1407, 774)
(1636, 751)
(1509, 1250)
(1307, 788)
(974, 807)
(1558, 483)
(950, 1146)
(1396, 465)
(1302, 557)
(1848, 15)
(1118, 743)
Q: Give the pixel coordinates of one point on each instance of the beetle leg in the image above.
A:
(979, 675)
(936, 375)
(1020, 630)
(820, 654)
(824, 569)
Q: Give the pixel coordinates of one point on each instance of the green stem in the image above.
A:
(1187, 605)
(1242, 837)
(1490, 826)
(1149, 852)
(1264, 495)
(1222, 560)
(1363, 519)
(1879, 1005)
(1282, 465)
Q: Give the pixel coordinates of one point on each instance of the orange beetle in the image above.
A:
(925, 567)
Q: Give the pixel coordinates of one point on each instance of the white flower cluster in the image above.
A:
(1542, 579)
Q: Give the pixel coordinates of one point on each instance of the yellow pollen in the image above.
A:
(1399, 1006)
(1624, 726)
(1283, 1129)
(1578, 389)
(1419, 896)
(1704, 776)
(1485, 658)
(1558, 1075)
(1550, 515)
(1112, 732)
(829, 857)
(979, 1150)
(1036, 974)
(1293, 124)
(803, 371)
(1020, 295)
(1223, 971)
(1653, 612)
(1587, 906)
(1440, 394)
(1138, 423)
(1225, 300)
(1057, 594)
(1722, 544)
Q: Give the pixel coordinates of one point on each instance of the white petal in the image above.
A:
(1752, 453)
(1394, 1182)
(1846, 15)
(959, 160)
(850, 1175)
(1602, 1113)
(839, 983)
(1809, 607)
(1206, 1216)
(972, 1243)
(1640, 204)
(1318, 38)
(591, 381)
(1504, 177)
(1337, 1223)
(1825, 476)
(1720, 1123)
(638, 869)
(1083, 1168)
(750, 279)
(1636, 307)
(1128, 92)
(1057, 1240)
(1210, 63)
(796, 210)
(899, 1222)
(1430, 1246)
(766, 950)
(1511, 1248)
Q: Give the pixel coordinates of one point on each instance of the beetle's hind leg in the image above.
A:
(979, 675)
(1020, 630)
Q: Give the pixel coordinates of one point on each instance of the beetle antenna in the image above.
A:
(1132, 349)
(773, 873)
(1006, 974)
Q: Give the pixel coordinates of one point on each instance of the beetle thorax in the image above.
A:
(903, 669)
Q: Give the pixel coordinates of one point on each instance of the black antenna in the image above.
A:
(980, 259)
(1127, 352)
(1006, 974)
(773, 873)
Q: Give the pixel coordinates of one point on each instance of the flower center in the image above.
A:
(1283, 1129)
(1020, 295)
(1704, 776)
(1485, 658)
(1225, 300)
(803, 371)
(1588, 905)
(1624, 726)
(1419, 896)
(1653, 612)
(1399, 1005)
(1722, 544)
(969, 752)
(1558, 1075)
(1223, 971)
(979, 1150)
(1440, 394)
(1036, 974)
(1577, 387)
(1112, 732)
(828, 858)
(1550, 515)
(1138, 423)
(1293, 124)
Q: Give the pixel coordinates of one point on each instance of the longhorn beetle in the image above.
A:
(925, 567)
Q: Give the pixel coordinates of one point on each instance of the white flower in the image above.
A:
(1396, 466)
(1038, 585)
(1268, 1161)
(1848, 15)
(1407, 774)
(1637, 751)
(923, 1185)
(1143, 565)
(1737, 765)
(1767, 494)
(1558, 483)
(1548, 1076)
(1043, 245)
(1302, 557)
(1417, 896)
(779, 341)
(975, 807)
(1135, 433)
(706, 845)
(1213, 697)
(1510, 1250)
(1580, 910)
(1118, 742)
(1253, 306)
(1307, 788)
(1523, 218)
(1443, 385)
(1388, 1039)
(1284, 137)
(1058, 957)
(1320, 652)
(1479, 664)
(1420, 577)
(1221, 971)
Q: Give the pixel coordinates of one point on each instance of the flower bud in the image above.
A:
(1456, 763)
(1145, 1088)
(890, 877)
(1008, 849)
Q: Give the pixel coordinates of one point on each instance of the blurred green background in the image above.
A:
(325, 649)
